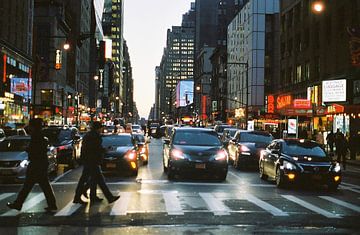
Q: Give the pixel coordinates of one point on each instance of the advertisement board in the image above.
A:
(292, 126)
(184, 93)
(21, 87)
(334, 90)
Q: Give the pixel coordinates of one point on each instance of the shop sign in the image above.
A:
(334, 90)
(302, 103)
(58, 58)
(283, 101)
(335, 108)
(214, 105)
(292, 126)
(240, 112)
(250, 125)
(270, 104)
(9, 95)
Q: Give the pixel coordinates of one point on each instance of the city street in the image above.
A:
(150, 203)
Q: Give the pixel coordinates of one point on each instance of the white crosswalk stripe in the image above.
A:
(266, 206)
(172, 203)
(311, 207)
(27, 205)
(215, 205)
(121, 205)
(6, 195)
(342, 203)
(69, 209)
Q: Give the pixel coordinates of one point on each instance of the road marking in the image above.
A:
(350, 185)
(27, 205)
(342, 203)
(215, 205)
(350, 189)
(69, 209)
(235, 175)
(311, 207)
(121, 205)
(266, 206)
(5, 195)
(60, 176)
(172, 203)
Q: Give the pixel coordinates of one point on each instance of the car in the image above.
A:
(120, 154)
(228, 134)
(244, 149)
(2, 135)
(16, 131)
(154, 130)
(84, 127)
(136, 129)
(194, 150)
(220, 128)
(14, 158)
(142, 144)
(288, 161)
(67, 141)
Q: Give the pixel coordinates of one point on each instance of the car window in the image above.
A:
(198, 138)
(117, 140)
(14, 145)
(255, 137)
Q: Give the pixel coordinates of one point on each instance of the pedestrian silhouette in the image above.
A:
(37, 170)
(91, 155)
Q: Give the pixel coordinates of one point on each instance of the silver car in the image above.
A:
(14, 158)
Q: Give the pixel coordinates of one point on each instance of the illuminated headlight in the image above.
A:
(336, 168)
(177, 154)
(24, 163)
(131, 155)
(244, 148)
(289, 166)
(221, 155)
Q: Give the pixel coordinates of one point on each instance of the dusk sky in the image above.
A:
(145, 26)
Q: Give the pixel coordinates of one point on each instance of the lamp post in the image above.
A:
(246, 64)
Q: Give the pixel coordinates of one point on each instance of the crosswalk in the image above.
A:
(175, 203)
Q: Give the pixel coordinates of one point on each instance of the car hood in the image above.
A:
(117, 151)
(311, 159)
(61, 143)
(198, 152)
(13, 156)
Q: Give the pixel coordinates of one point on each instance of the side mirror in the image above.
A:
(166, 141)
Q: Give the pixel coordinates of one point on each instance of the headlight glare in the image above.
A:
(177, 154)
(337, 167)
(24, 163)
(289, 166)
(221, 155)
(244, 148)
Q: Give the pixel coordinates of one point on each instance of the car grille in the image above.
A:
(6, 164)
(315, 169)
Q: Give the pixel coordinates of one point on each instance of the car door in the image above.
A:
(273, 158)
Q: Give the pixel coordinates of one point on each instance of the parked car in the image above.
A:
(14, 158)
(220, 128)
(288, 161)
(2, 135)
(142, 144)
(120, 154)
(244, 149)
(194, 150)
(67, 141)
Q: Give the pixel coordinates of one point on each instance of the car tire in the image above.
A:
(263, 176)
(279, 178)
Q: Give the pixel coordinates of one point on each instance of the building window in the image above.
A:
(307, 71)
(298, 74)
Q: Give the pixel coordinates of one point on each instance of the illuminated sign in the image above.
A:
(270, 104)
(334, 90)
(292, 126)
(184, 93)
(283, 101)
(335, 108)
(21, 87)
(58, 57)
(240, 112)
(302, 103)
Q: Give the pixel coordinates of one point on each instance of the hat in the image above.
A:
(96, 125)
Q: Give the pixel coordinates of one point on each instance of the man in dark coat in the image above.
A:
(342, 146)
(91, 155)
(330, 139)
(37, 170)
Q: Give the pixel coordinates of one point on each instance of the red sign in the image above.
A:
(335, 108)
(302, 103)
(283, 101)
(270, 104)
(203, 107)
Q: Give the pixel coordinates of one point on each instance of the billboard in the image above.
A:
(21, 87)
(184, 93)
(334, 90)
(292, 126)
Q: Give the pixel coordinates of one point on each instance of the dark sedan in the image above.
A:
(194, 150)
(293, 160)
(120, 154)
(244, 149)
(67, 141)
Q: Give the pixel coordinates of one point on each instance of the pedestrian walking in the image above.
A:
(330, 139)
(92, 154)
(341, 145)
(37, 170)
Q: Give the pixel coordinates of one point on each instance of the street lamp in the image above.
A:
(318, 7)
(66, 46)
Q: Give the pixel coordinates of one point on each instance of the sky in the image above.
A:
(145, 26)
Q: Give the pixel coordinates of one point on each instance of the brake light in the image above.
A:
(63, 147)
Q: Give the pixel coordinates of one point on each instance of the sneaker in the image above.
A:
(13, 205)
(79, 201)
(51, 208)
(113, 199)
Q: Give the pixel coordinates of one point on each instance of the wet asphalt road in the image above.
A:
(150, 204)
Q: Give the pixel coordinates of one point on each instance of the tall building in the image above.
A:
(177, 61)
(250, 53)
(319, 64)
(16, 59)
(128, 105)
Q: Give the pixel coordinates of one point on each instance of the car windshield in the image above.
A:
(116, 140)
(14, 145)
(301, 149)
(198, 138)
(139, 138)
(232, 132)
(57, 135)
(136, 127)
(255, 137)
(220, 129)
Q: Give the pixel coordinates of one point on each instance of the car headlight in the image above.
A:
(177, 154)
(336, 168)
(24, 163)
(131, 155)
(221, 155)
(244, 148)
(289, 166)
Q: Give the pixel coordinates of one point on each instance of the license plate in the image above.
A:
(110, 165)
(200, 166)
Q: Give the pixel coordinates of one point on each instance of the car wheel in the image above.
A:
(333, 187)
(222, 176)
(279, 179)
(263, 176)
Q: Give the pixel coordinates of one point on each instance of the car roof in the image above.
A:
(193, 129)
(119, 134)
(18, 137)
